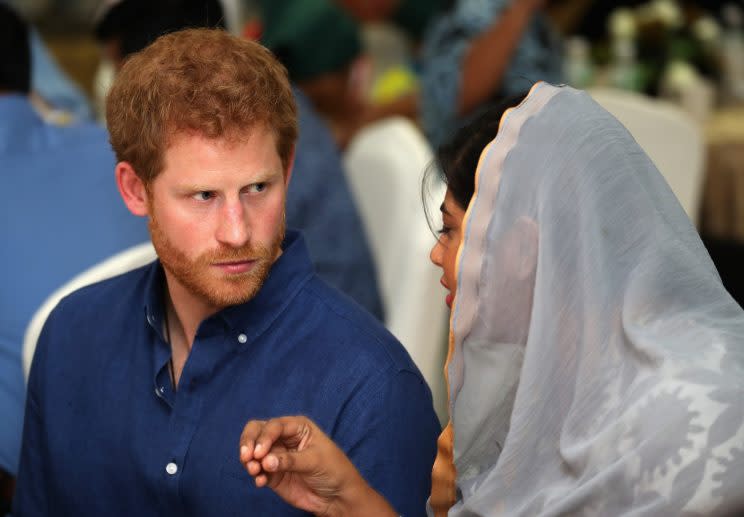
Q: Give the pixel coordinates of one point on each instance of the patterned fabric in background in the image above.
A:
(537, 57)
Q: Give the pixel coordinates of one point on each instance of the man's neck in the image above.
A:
(185, 311)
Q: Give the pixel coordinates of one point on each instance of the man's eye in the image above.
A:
(257, 187)
(204, 195)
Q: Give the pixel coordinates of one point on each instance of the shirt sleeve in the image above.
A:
(390, 436)
(32, 491)
(440, 81)
(445, 46)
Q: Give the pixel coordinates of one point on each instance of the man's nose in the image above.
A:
(233, 228)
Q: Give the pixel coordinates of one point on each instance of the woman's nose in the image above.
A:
(435, 255)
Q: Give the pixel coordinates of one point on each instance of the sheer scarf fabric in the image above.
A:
(596, 362)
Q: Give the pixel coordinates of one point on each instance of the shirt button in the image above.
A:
(171, 468)
(242, 338)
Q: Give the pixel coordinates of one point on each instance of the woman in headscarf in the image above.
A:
(596, 363)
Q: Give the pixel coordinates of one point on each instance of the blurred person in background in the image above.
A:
(396, 90)
(64, 216)
(57, 98)
(140, 384)
(319, 201)
(473, 53)
(411, 16)
(479, 52)
(322, 48)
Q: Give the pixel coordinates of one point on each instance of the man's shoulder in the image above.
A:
(113, 297)
(352, 329)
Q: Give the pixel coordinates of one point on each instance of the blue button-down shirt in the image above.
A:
(105, 434)
(62, 215)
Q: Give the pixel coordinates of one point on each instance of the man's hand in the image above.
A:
(293, 457)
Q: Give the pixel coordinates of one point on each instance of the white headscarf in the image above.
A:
(597, 363)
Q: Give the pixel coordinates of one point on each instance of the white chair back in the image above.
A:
(124, 261)
(670, 137)
(384, 164)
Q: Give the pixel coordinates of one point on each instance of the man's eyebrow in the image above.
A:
(260, 177)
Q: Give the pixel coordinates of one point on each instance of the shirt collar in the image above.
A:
(287, 275)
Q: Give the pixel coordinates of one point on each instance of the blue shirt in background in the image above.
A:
(52, 84)
(61, 215)
(320, 203)
(538, 57)
(105, 433)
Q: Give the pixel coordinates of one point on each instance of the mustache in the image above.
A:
(245, 253)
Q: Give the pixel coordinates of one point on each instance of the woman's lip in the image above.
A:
(237, 267)
(450, 297)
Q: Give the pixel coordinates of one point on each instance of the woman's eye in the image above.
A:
(444, 230)
(204, 195)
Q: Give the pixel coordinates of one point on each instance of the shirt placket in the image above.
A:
(183, 424)
(187, 408)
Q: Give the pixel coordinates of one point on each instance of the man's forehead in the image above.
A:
(229, 138)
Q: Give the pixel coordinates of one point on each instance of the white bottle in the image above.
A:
(624, 71)
(732, 55)
(577, 67)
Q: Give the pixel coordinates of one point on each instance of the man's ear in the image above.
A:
(290, 166)
(131, 188)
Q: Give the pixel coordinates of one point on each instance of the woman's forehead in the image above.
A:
(449, 198)
(448, 202)
(451, 207)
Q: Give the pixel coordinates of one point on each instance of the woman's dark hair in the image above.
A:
(455, 161)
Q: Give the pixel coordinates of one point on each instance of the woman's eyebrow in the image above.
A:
(444, 210)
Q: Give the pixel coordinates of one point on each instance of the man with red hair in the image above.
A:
(141, 384)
